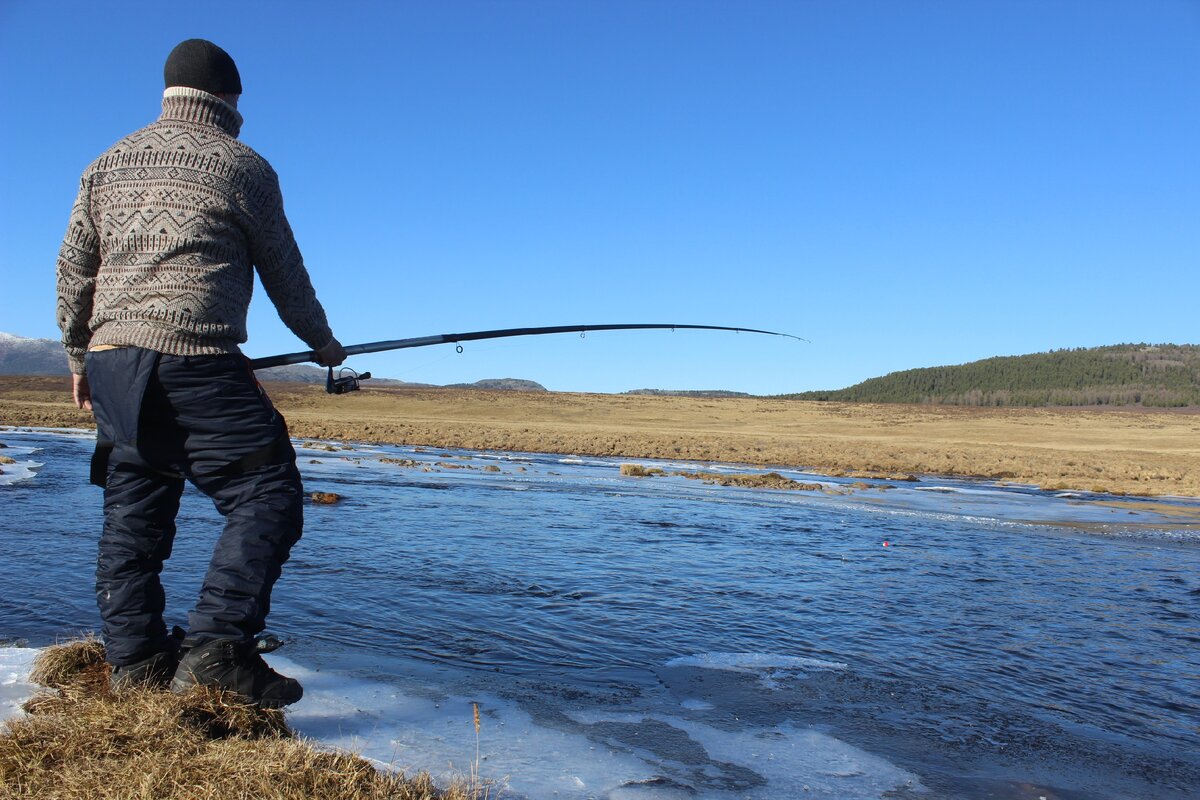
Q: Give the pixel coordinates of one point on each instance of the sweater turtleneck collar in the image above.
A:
(194, 105)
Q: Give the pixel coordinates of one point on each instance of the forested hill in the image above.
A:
(1124, 374)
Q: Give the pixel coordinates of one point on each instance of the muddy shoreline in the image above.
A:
(1137, 452)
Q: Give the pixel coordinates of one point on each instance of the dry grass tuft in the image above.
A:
(219, 715)
(81, 740)
(640, 471)
(70, 665)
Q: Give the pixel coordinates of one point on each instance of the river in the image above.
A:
(665, 638)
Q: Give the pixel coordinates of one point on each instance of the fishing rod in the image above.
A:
(349, 383)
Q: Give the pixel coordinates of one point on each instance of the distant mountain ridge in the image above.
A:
(506, 384)
(687, 393)
(1161, 375)
(22, 356)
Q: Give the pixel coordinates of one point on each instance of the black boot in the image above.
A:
(153, 672)
(234, 665)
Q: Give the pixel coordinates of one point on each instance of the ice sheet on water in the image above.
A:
(9, 430)
(18, 450)
(770, 762)
(435, 732)
(753, 662)
(20, 471)
(798, 762)
(964, 490)
(692, 704)
(15, 688)
(599, 756)
(334, 446)
(25, 467)
(773, 670)
(590, 462)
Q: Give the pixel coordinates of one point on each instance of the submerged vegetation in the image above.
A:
(1163, 376)
(81, 741)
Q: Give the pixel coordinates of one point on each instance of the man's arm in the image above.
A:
(281, 268)
(78, 263)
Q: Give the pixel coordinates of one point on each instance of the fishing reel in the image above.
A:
(344, 383)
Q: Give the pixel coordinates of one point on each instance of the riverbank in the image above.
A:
(1135, 451)
(79, 740)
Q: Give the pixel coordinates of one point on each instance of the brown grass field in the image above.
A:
(1125, 451)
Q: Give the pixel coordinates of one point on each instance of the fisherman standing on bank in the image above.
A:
(154, 281)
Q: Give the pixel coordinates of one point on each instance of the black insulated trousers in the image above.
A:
(164, 419)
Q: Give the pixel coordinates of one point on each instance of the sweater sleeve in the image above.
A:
(75, 277)
(281, 269)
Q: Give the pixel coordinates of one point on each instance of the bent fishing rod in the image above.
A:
(350, 383)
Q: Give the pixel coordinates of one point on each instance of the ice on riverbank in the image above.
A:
(15, 688)
(586, 755)
(18, 471)
(16, 464)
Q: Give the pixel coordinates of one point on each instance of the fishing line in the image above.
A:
(416, 370)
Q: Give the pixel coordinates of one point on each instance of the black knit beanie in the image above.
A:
(200, 64)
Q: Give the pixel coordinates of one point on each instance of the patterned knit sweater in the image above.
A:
(167, 228)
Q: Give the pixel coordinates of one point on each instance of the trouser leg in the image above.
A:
(229, 426)
(263, 520)
(139, 528)
(141, 498)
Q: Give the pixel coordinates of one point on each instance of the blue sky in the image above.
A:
(903, 183)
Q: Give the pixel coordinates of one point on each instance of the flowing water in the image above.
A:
(663, 638)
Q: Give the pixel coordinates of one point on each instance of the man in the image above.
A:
(154, 281)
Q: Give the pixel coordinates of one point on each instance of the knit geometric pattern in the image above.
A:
(166, 231)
